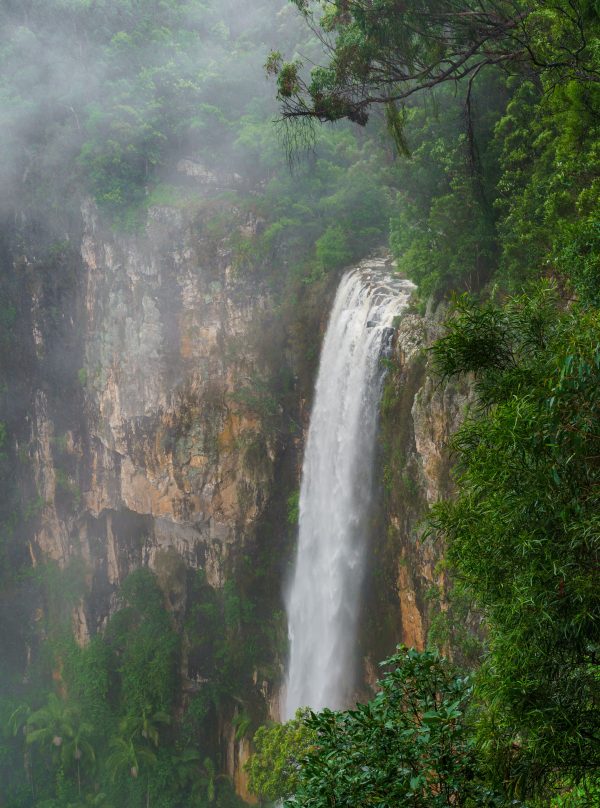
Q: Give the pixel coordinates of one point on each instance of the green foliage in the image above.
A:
(68, 488)
(129, 758)
(146, 646)
(274, 768)
(113, 732)
(58, 730)
(164, 80)
(332, 249)
(332, 210)
(293, 505)
(442, 231)
(153, 81)
(548, 190)
(522, 533)
(411, 745)
(452, 625)
(378, 56)
(579, 796)
(579, 258)
(506, 179)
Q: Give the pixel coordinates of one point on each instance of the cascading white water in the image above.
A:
(336, 493)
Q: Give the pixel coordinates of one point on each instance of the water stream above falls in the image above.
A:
(323, 602)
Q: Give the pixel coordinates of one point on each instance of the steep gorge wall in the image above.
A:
(164, 456)
(407, 588)
(160, 444)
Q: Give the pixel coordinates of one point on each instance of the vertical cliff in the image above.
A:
(164, 456)
(407, 592)
(165, 441)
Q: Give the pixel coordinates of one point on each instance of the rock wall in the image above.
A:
(164, 455)
(161, 445)
(407, 587)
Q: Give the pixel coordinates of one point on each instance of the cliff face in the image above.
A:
(165, 457)
(160, 444)
(407, 587)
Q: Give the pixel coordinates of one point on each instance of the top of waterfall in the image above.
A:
(381, 270)
(383, 285)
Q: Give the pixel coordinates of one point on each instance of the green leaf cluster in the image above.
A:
(523, 531)
(114, 728)
(412, 744)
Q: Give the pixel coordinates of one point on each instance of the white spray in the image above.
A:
(323, 602)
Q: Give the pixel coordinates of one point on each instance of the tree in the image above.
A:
(131, 750)
(411, 745)
(51, 725)
(523, 532)
(274, 768)
(78, 748)
(146, 725)
(332, 248)
(186, 767)
(58, 728)
(381, 52)
(130, 757)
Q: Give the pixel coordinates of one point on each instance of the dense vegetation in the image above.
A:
(113, 732)
(124, 91)
(486, 181)
(523, 531)
(410, 745)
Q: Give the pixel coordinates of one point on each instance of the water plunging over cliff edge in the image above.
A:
(323, 602)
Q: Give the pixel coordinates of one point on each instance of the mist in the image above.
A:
(104, 98)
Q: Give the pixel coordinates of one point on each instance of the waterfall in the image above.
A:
(323, 601)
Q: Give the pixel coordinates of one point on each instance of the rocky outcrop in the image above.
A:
(167, 457)
(420, 413)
